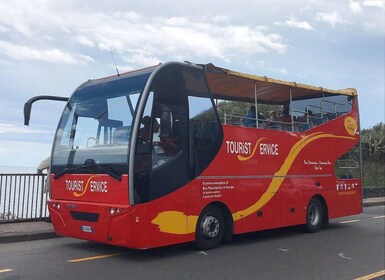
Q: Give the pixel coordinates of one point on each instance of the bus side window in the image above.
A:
(205, 133)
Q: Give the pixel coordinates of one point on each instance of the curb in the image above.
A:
(22, 237)
(376, 203)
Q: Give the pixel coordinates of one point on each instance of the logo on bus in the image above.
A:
(79, 188)
(245, 150)
(347, 188)
(351, 126)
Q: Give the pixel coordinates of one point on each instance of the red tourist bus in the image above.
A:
(169, 154)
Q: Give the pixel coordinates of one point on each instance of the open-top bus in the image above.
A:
(167, 154)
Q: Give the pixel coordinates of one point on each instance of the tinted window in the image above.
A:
(205, 133)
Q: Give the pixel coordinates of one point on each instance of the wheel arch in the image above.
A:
(324, 204)
(229, 222)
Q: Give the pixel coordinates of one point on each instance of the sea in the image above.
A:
(17, 170)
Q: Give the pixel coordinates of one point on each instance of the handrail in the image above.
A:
(23, 197)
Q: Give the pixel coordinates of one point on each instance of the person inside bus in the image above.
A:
(164, 150)
(168, 146)
(285, 119)
(272, 120)
(249, 120)
(261, 119)
(305, 122)
(285, 116)
(145, 131)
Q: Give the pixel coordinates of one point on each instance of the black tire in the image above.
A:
(314, 215)
(210, 228)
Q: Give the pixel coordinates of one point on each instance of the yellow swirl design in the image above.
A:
(242, 158)
(85, 189)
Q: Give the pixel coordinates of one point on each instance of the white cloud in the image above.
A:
(332, 18)
(147, 40)
(141, 58)
(355, 7)
(296, 24)
(374, 3)
(19, 52)
(10, 128)
(132, 35)
(3, 29)
(83, 40)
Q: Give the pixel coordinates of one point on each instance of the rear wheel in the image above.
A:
(314, 215)
(210, 228)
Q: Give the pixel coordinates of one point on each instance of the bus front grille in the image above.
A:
(85, 216)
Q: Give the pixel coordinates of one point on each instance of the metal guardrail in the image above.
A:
(22, 197)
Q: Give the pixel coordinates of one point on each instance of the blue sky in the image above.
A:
(50, 47)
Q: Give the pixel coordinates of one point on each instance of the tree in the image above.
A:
(373, 151)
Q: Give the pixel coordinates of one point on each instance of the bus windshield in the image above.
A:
(96, 124)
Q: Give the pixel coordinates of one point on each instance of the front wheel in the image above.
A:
(210, 228)
(314, 215)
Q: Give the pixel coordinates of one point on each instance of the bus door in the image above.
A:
(161, 156)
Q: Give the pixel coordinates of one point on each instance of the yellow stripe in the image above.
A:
(94, 258)
(372, 276)
(6, 270)
(277, 181)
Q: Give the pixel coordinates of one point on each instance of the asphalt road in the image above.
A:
(348, 248)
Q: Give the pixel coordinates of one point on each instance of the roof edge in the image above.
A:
(212, 68)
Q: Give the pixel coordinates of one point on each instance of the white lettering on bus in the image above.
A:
(72, 185)
(235, 147)
(98, 186)
(268, 149)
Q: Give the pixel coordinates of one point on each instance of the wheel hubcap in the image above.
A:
(210, 226)
(313, 215)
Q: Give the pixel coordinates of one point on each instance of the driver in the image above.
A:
(144, 132)
(164, 150)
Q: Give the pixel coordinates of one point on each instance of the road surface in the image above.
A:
(348, 248)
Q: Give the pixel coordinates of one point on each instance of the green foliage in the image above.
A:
(232, 108)
(205, 115)
(241, 108)
(373, 140)
(373, 155)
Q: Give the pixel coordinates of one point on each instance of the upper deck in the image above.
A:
(277, 104)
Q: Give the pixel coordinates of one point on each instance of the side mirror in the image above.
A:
(166, 124)
(28, 104)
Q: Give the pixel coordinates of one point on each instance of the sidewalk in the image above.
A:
(28, 231)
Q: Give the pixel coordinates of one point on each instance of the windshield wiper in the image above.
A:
(91, 164)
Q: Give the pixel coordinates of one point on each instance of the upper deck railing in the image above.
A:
(304, 122)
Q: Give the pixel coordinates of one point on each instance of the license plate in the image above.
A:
(87, 229)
